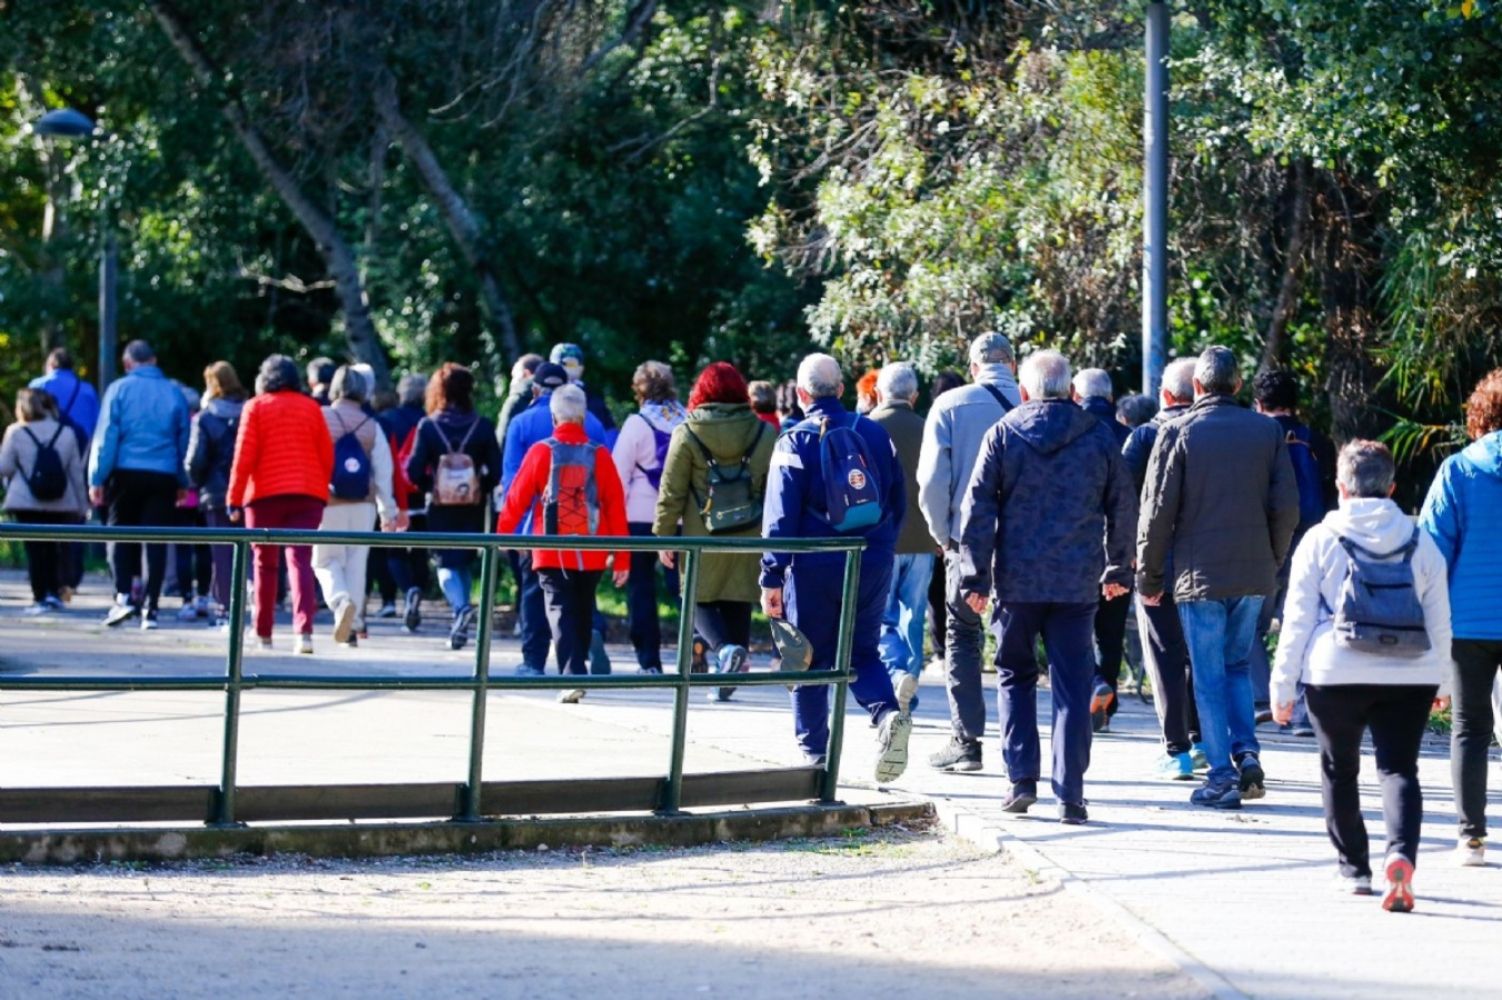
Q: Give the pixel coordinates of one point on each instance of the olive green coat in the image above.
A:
(728, 430)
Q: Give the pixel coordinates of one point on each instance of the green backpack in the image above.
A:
(729, 504)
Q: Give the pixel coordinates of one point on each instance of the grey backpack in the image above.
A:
(1377, 609)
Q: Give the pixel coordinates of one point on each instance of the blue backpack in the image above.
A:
(1306, 473)
(852, 487)
(351, 476)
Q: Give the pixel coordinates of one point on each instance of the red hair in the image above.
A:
(719, 383)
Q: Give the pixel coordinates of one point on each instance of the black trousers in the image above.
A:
(1397, 715)
(140, 499)
(194, 563)
(1110, 641)
(569, 596)
(938, 609)
(641, 602)
(1167, 660)
(723, 623)
(48, 564)
(1476, 664)
(409, 567)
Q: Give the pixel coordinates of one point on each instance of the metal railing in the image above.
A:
(225, 805)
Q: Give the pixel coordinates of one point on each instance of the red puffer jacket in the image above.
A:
(283, 449)
(526, 493)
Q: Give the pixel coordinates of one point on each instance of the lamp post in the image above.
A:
(1155, 202)
(68, 125)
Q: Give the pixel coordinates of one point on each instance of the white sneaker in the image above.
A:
(891, 742)
(39, 608)
(1352, 885)
(1471, 853)
(571, 697)
(303, 645)
(344, 619)
(907, 690)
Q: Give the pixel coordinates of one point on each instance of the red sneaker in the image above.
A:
(1399, 898)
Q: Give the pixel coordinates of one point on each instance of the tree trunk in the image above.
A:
(338, 256)
(501, 344)
(1347, 260)
(59, 188)
(1287, 302)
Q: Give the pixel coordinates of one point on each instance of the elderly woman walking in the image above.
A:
(43, 469)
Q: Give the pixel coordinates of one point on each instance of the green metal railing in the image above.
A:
(475, 798)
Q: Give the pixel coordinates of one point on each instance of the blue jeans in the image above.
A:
(1219, 635)
(456, 585)
(907, 605)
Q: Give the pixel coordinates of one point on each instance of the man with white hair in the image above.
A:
(952, 436)
(835, 474)
(913, 567)
(1049, 485)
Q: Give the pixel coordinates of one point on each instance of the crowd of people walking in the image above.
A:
(1028, 499)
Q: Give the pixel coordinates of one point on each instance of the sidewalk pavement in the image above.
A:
(1242, 901)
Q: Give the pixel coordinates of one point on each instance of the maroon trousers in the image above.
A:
(304, 513)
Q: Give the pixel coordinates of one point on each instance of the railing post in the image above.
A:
(672, 795)
(849, 595)
(471, 809)
(224, 806)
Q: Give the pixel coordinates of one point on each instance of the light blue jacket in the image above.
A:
(66, 387)
(952, 437)
(143, 427)
(1463, 514)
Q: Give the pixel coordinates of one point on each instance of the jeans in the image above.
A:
(1110, 641)
(902, 624)
(1261, 666)
(457, 583)
(140, 499)
(191, 563)
(723, 623)
(1397, 716)
(223, 558)
(1166, 659)
(1067, 636)
(300, 512)
(570, 597)
(48, 565)
(532, 614)
(1477, 662)
(963, 647)
(340, 569)
(641, 603)
(1219, 635)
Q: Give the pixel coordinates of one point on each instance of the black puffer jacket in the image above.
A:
(211, 450)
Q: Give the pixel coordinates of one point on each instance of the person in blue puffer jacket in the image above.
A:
(1463, 514)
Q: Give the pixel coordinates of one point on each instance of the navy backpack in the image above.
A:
(852, 487)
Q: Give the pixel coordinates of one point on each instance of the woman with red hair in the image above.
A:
(713, 482)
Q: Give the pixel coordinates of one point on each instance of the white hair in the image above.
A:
(1093, 383)
(819, 376)
(1045, 375)
(897, 380)
(991, 349)
(567, 405)
(1178, 380)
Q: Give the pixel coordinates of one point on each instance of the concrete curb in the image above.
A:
(66, 847)
(991, 836)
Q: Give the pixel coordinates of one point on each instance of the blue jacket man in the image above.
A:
(1049, 485)
(805, 588)
(76, 399)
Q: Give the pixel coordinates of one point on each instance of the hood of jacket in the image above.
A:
(728, 430)
(1050, 424)
(1377, 525)
(1102, 409)
(224, 409)
(1168, 413)
(665, 415)
(1485, 454)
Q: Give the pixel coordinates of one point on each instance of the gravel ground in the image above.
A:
(895, 912)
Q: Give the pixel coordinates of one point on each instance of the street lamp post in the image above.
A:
(68, 125)
(1155, 203)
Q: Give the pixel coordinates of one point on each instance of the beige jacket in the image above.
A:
(18, 455)
(347, 417)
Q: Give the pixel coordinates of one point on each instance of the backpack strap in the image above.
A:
(1406, 550)
(998, 395)
(468, 434)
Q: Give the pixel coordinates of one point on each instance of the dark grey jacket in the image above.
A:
(1050, 510)
(1139, 444)
(1221, 499)
(905, 428)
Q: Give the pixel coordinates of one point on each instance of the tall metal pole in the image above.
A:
(1155, 203)
(109, 266)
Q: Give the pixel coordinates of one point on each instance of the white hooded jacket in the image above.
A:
(1307, 649)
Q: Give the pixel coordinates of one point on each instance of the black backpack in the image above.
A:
(47, 480)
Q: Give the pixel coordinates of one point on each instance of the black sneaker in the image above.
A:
(1073, 814)
(459, 631)
(412, 615)
(121, 611)
(1253, 783)
(1101, 699)
(957, 755)
(1020, 798)
(1212, 796)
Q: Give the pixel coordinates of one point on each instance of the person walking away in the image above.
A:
(938, 612)
(764, 404)
(1135, 410)
(835, 474)
(1165, 656)
(1092, 391)
(952, 437)
(408, 567)
(1366, 639)
(1050, 483)
(570, 487)
(1221, 500)
(518, 396)
(191, 564)
(43, 468)
(320, 374)
(359, 493)
(280, 479)
(1463, 514)
(211, 452)
(640, 453)
(913, 566)
(714, 484)
(136, 470)
(78, 408)
(865, 392)
(570, 357)
(1275, 394)
(455, 461)
(526, 429)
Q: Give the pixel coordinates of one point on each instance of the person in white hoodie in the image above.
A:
(1368, 662)
(639, 453)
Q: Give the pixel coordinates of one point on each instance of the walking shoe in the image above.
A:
(1352, 885)
(818, 760)
(148, 621)
(39, 608)
(1020, 798)
(353, 642)
(122, 611)
(1253, 780)
(1217, 796)
(65, 594)
(188, 612)
(344, 619)
(699, 659)
(1073, 814)
(459, 630)
(731, 659)
(53, 602)
(387, 610)
(906, 690)
(957, 755)
(571, 697)
(303, 645)
(891, 744)
(1175, 767)
(527, 670)
(1471, 852)
(1304, 732)
(412, 613)
(1399, 898)
(1101, 700)
(263, 645)
(1197, 754)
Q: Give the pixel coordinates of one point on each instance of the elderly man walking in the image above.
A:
(835, 474)
(1049, 485)
(952, 438)
(913, 567)
(1221, 501)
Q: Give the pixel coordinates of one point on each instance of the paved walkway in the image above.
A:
(1242, 900)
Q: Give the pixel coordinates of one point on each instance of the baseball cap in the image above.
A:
(570, 356)
(796, 652)
(550, 376)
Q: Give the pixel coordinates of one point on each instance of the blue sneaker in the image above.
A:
(1197, 754)
(527, 670)
(730, 659)
(1221, 796)
(1176, 767)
